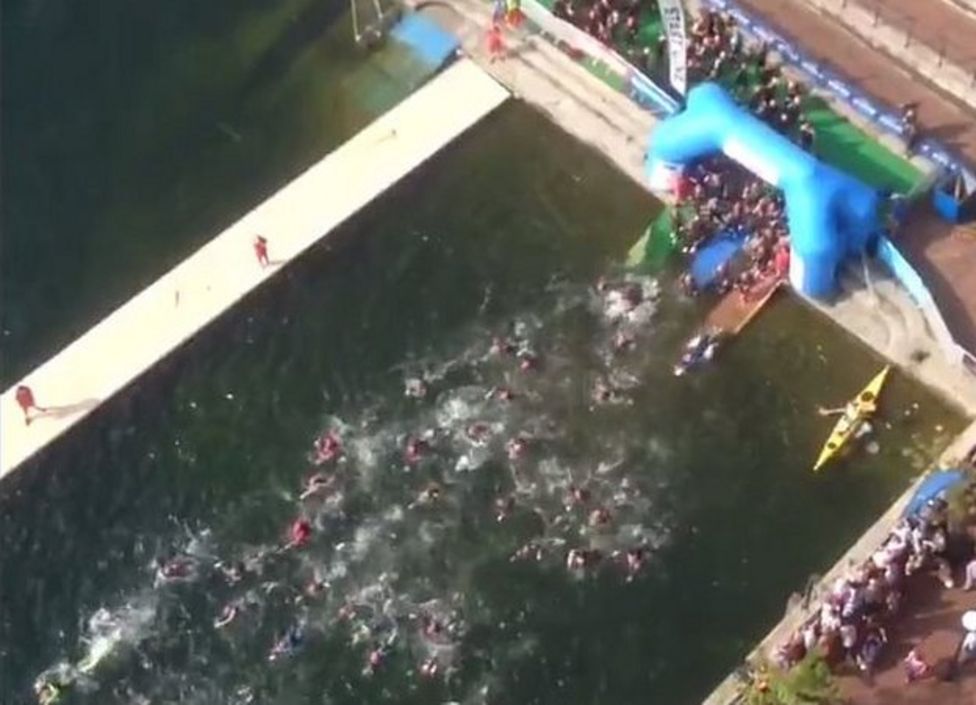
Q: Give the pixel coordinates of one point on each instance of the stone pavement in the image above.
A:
(946, 256)
(933, 38)
(931, 622)
(940, 25)
(542, 75)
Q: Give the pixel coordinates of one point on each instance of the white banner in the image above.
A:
(673, 17)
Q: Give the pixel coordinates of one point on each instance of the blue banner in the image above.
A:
(865, 107)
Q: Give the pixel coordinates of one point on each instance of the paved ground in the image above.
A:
(942, 26)
(542, 75)
(932, 623)
(945, 256)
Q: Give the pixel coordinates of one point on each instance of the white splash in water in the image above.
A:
(111, 630)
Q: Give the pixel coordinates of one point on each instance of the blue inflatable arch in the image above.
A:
(830, 214)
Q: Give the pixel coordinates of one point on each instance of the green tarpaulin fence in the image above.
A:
(657, 243)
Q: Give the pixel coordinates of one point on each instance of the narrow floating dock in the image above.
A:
(733, 313)
(173, 308)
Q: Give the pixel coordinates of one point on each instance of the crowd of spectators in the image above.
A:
(716, 196)
(849, 626)
(715, 51)
(616, 23)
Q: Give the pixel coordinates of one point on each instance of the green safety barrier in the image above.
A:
(656, 245)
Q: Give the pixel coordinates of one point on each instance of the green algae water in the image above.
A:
(503, 234)
(134, 132)
(131, 134)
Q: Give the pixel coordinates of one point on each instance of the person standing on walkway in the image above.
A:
(909, 125)
(969, 581)
(514, 14)
(496, 47)
(261, 250)
(966, 651)
(498, 12)
(808, 136)
(25, 400)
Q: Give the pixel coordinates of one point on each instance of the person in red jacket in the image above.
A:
(781, 260)
(496, 47)
(25, 400)
(261, 250)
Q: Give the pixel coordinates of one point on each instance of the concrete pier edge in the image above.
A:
(146, 328)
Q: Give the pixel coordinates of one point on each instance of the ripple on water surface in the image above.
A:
(443, 520)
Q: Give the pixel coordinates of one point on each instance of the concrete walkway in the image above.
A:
(542, 75)
(879, 311)
(171, 310)
(933, 38)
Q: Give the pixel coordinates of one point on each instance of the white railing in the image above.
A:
(906, 274)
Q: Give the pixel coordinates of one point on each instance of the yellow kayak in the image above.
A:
(856, 412)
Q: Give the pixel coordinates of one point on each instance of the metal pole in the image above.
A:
(355, 21)
(867, 279)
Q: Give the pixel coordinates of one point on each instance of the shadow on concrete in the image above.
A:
(948, 133)
(64, 410)
(947, 261)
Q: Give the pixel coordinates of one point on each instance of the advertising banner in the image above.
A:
(673, 18)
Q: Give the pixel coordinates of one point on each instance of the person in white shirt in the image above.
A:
(967, 647)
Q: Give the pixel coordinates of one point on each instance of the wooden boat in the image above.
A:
(857, 411)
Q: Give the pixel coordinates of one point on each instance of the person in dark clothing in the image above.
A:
(807, 136)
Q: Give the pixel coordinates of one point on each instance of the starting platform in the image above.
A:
(734, 312)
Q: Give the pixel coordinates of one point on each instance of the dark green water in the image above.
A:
(513, 223)
(132, 132)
